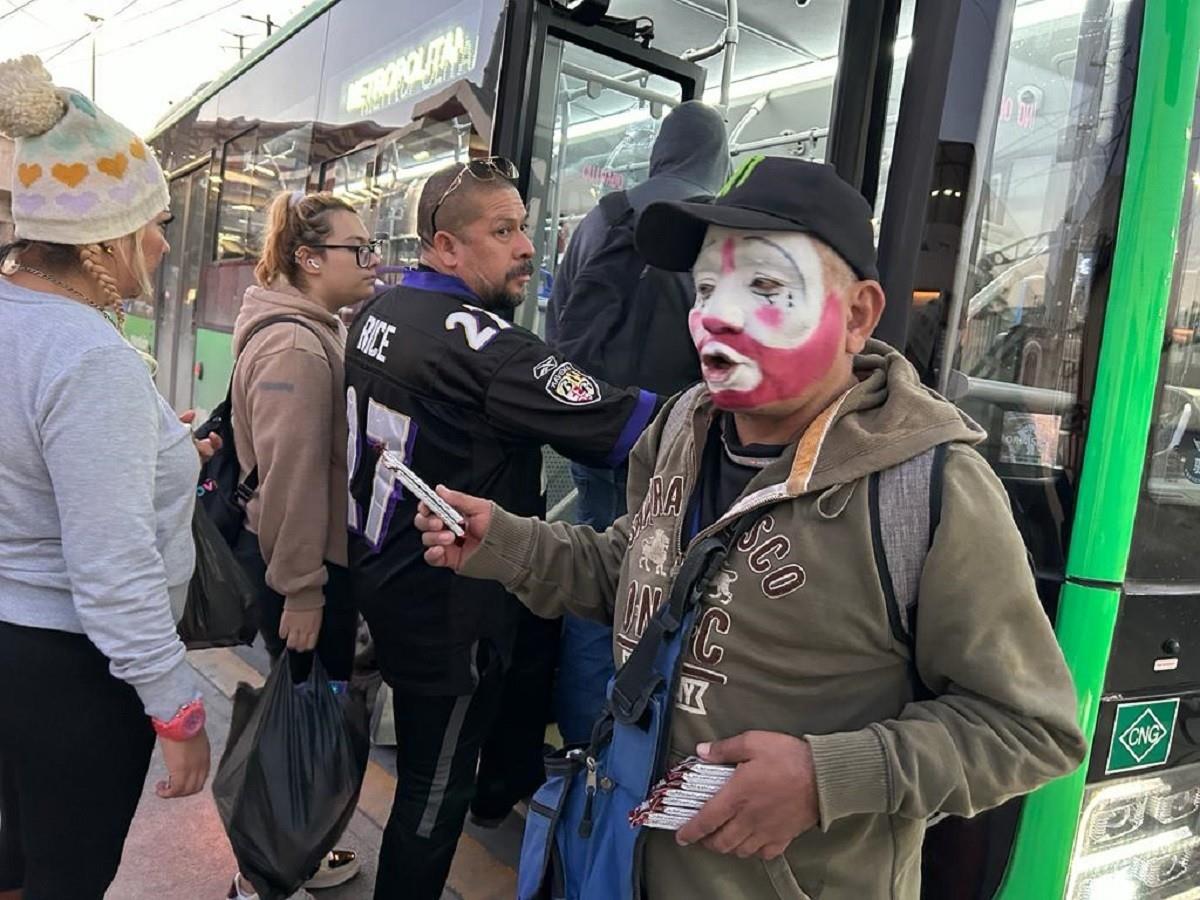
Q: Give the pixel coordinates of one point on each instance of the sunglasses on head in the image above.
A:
(480, 170)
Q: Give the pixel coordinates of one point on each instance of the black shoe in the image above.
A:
(488, 822)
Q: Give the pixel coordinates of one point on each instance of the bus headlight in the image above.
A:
(1139, 839)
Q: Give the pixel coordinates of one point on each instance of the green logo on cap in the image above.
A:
(740, 174)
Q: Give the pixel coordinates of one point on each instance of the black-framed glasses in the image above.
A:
(363, 252)
(481, 170)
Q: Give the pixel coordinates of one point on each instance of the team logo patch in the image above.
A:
(545, 367)
(569, 385)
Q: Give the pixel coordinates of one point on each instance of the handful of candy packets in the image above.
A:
(683, 790)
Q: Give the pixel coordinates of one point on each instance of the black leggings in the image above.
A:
(339, 622)
(75, 747)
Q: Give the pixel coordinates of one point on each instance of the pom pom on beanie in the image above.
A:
(29, 103)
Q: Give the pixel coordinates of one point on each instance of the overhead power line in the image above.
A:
(165, 31)
(17, 9)
(89, 32)
(71, 44)
(155, 11)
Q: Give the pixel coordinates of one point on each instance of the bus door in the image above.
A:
(1139, 827)
(580, 105)
(173, 335)
(1014, 281)
(595, 101)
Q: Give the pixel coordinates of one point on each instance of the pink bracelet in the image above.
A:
(187, 722)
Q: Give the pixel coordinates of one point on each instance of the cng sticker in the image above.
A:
(1141, 736)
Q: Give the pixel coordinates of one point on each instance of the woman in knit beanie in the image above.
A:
(97, 484)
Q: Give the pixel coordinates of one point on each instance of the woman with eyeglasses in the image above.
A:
(289, 424)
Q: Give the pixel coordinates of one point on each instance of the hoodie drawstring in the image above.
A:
(839, 493)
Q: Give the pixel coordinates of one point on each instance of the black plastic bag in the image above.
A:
(221, 609)
(290, 777)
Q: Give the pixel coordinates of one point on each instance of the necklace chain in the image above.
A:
(38, 273)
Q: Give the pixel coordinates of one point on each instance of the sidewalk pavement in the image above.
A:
(177, 849)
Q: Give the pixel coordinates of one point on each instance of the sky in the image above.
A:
(149, 53)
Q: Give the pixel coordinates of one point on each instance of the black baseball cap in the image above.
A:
(766, 194)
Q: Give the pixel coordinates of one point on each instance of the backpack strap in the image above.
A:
(245, 490)
(679, 417)
(614, 207)
(905, 504)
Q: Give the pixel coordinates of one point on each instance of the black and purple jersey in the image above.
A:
(469, 399)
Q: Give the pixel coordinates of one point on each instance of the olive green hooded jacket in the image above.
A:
(794, 636)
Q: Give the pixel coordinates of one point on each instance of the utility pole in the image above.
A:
(97, 21)
(268, 21)
(241, 47)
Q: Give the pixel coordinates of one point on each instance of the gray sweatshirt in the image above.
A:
(97, 485)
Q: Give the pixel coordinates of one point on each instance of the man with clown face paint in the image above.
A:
(795, 668)
(765, 324)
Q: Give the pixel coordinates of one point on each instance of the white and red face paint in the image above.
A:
(763, 324)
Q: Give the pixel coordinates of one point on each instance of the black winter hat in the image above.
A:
(767, 193)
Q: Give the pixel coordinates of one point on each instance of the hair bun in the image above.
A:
(29, 103)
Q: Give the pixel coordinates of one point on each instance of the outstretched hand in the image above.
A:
(445, 549)
(767, 803)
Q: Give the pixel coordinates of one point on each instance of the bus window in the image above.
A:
(383, 183)
(237, 198)
(899, 65)
(257, 165)
(350, 178)
(1026, 318)
(597, 121)
(404, 164)
(1168, 514)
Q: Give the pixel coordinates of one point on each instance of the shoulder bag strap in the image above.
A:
(637, 680)
(249, 485)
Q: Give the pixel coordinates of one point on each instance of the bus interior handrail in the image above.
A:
(961, 386)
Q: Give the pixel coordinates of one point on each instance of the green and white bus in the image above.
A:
(1036, 176)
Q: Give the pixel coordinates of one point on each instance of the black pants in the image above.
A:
(75, 747)
(511, 761)
(437, 749)
(339, 622)
(482, 751)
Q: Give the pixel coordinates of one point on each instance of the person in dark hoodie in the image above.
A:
(599, 315)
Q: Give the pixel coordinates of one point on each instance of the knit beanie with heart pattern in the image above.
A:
(78, 176)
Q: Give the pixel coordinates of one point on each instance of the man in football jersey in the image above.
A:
(437, 373)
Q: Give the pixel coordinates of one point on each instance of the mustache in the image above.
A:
(525, 268)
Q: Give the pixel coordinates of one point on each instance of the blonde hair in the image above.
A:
(295, 220)
(95, 260)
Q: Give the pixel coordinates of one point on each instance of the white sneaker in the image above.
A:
(243, 890)
(338, 867)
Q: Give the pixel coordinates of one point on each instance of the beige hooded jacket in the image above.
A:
(289, 419)
(794, 636)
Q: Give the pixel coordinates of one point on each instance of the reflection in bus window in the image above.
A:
(1168, 515)
(383, 183)
(1045, 233)
(257, 165)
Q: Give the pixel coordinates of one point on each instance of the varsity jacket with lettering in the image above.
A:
(793, 636)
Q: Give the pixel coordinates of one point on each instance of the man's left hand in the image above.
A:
(767, 802)
(207, 447)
